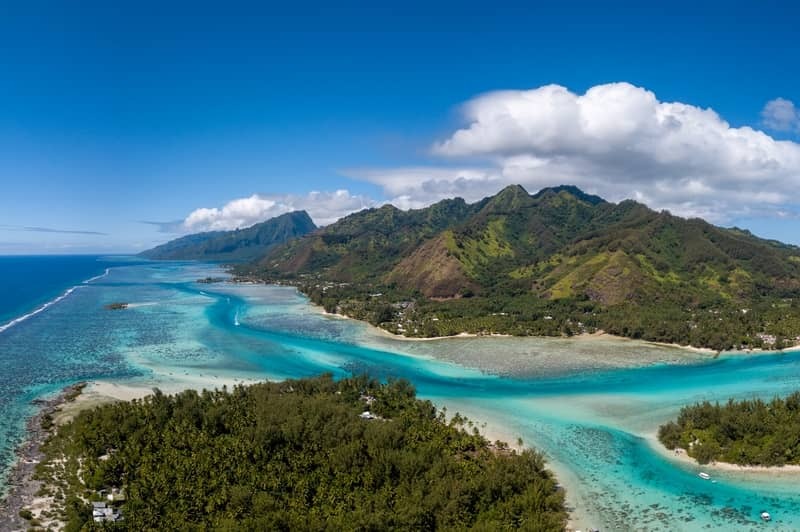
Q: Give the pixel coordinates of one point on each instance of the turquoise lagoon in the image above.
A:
(592, 406)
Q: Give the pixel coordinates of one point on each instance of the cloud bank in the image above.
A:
(323, 207)
(616, 140)
(49, 230)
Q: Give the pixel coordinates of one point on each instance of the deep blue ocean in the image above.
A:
(28, 282)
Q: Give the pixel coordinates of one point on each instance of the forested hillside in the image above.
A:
(557, 262)
(297, 455)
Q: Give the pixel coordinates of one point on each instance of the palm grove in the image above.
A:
(296, 455)
(749, 432)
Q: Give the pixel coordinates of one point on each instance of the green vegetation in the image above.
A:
(745, 432)
(296, 455)
(557, 262)
(238, 245)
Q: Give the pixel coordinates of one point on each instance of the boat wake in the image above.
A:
(143, 304)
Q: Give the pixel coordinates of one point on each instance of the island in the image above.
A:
(211, 280)
(747, 433)
(310, 454)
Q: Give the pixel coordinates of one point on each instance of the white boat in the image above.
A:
(704, 476)
(765, 516)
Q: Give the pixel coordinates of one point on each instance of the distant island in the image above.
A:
(211, 280)
(311, 454)
(748, 433)
(235, 246)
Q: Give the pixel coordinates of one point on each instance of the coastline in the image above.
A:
(680, 456)
(22, 487)
(99, 392)
(714, 353)
(583, 336)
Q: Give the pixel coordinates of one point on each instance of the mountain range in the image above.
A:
(556, 262)
(557, 243)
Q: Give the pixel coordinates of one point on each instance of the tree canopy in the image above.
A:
(750, 432)
(298, 455)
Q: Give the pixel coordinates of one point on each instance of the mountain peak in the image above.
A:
(515, 190)
(570, 190)
(510, 198)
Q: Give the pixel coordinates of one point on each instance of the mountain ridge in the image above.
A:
(237, 245)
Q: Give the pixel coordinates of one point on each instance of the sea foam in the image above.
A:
(96, 277)
(52, 302)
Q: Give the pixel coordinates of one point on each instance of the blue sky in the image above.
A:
(198, 116)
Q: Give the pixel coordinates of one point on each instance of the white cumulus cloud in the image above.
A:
(323, 207)
(616, 140)
(781, 115)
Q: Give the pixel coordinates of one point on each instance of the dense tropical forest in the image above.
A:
(296, 455)
(750, 432)
(558, 262)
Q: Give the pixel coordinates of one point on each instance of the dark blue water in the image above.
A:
(28, 282)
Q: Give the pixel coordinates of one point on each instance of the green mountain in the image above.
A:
(557, 262)
(238, 245)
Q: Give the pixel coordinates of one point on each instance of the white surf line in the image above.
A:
(44, 307)
(96, 277)
(52, 302)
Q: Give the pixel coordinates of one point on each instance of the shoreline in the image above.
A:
(680, 456)
(583, 336)
(598, 334)
(22, 486)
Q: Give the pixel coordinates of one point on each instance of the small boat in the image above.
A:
(704, 476)
(765, 516)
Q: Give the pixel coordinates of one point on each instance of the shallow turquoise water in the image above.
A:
(592, 424)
